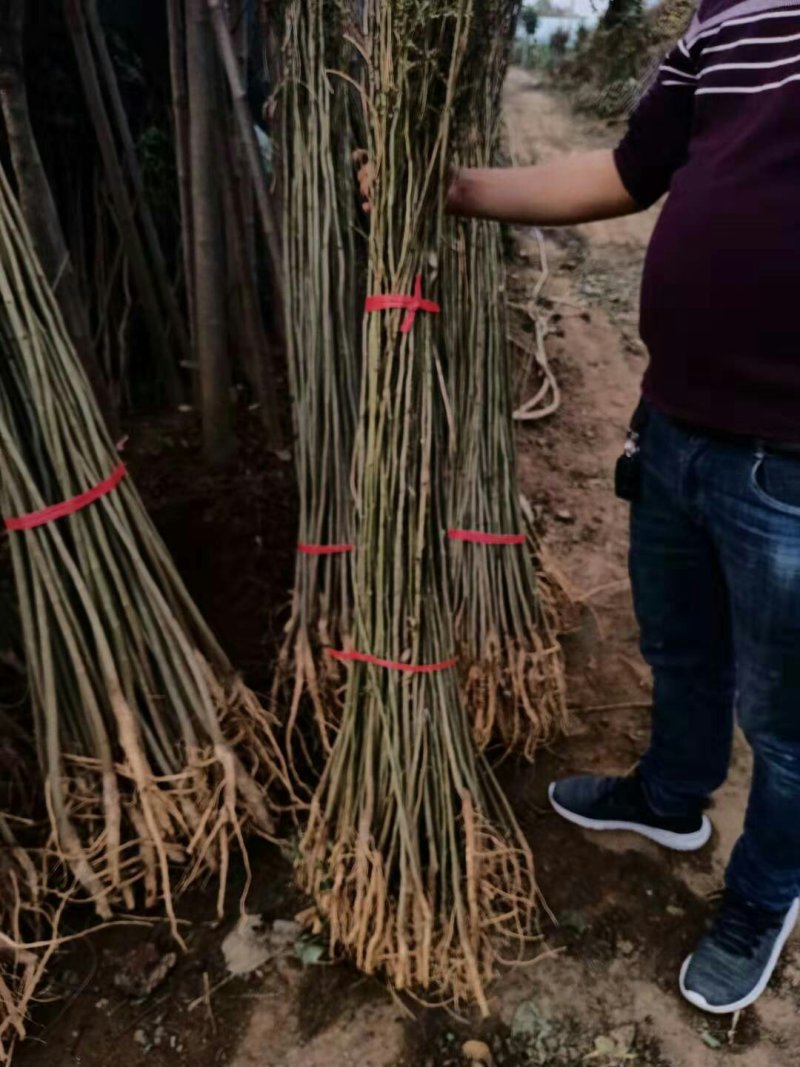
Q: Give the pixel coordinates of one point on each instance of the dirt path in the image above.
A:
(627, 913)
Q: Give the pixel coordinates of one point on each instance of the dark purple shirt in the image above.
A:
(720, 130)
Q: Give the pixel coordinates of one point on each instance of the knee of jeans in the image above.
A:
(679, 653)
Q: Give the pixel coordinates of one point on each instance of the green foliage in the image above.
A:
(609, 66)
(559, 42)
(530, 55)
(530, 20)
(582, 37)
(617, 46)
(622, 13)
(554, 10)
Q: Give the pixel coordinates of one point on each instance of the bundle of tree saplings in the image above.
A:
(504, 623)
(155, 756)
(323, 300)
(411, 853)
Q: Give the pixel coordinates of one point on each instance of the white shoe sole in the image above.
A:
(700, 1001)
(665, 838)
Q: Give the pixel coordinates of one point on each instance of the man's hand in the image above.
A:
(580, 188)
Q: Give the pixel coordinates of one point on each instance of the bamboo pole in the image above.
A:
(123, 207)
(36, 199)
(205, 131)
(151, 237)
(180, 118)
(262, 346)
(244, 121)
(246, 319)
(246, 189)
(271, 48)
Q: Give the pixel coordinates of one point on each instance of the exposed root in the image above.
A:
(513, 684)
(24, 914)
(436, 932)
(148, 836)
(19, 978)
(308, 693)
(517, 696)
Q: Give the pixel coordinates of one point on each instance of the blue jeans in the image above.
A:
(715, 566)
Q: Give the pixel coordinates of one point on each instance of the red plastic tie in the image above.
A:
(391, 664)
(68, 507)
(412, 304)
(477, 538)
(324, 550)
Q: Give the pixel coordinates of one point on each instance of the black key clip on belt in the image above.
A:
(628, 474)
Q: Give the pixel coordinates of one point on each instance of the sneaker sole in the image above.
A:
(700, 1001)
(665, 838)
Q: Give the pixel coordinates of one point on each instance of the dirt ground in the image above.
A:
(626, 913)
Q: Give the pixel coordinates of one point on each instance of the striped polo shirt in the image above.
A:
(720, 132)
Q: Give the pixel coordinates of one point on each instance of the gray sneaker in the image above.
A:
(621, 804)
(734, 962)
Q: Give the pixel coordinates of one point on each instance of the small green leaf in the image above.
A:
(708, 1039)
(309, 951)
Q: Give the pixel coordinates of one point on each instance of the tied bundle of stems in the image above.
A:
(411, 852)
(323, 296)
(505, 619)
(153, 752)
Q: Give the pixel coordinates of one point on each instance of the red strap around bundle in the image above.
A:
(412, 304)
(391, 664)
(324, 550)
(477, 538)
(67, 507)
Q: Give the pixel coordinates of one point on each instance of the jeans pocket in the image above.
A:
(775, 480)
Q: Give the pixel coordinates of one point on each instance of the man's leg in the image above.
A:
(682, 607)
(752, 505)
(760, 545)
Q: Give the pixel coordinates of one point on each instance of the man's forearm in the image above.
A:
(580, 188)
